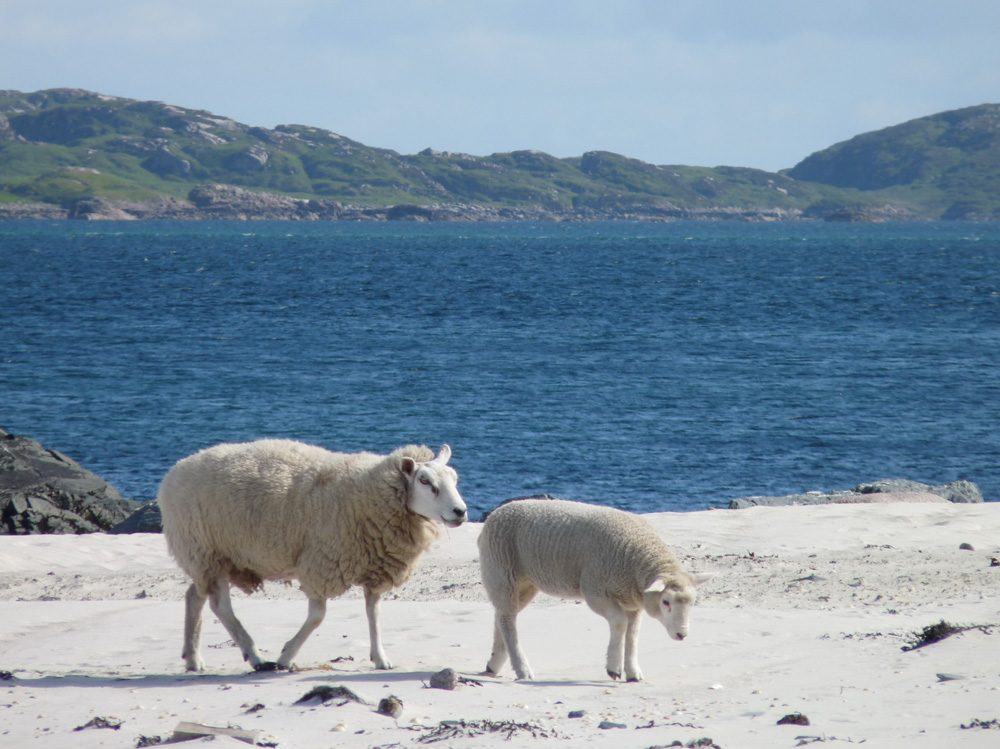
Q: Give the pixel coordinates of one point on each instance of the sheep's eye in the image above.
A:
(666, 605)
(424, 480)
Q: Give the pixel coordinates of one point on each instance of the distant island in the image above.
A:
(69, 153)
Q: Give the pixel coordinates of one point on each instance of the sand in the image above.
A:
(809, 613)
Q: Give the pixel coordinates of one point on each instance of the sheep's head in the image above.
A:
(432, 489)
(671, 602)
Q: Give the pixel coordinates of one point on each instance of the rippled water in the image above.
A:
(647, 366)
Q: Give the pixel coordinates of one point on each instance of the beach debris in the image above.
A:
(444, 679)
(794, 719)
(447, 730)
(994, 562)
(943, 630)
(986, 724)
(576, 713)
(342, 659)
(185, 731)
(7, 676)
(145, 741)
(324, 693)
(98, 722)
(950, 677)
(606, 724)
(390, 706)
(256, 708)
(468, 681)
(966, 547)
(703, 743)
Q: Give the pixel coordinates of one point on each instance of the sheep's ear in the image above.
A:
(409, 466)
(702, 577)
(657, 586)
(444, 455)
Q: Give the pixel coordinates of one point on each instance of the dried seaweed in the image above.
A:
(325, 693)
(457, 729)
(943, 630)
(987, 724)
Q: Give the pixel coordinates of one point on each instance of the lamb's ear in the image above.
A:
(657, 586)
(701, 577)
(408, 466)
(444, 455)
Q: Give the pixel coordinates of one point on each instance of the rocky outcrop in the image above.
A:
(43, 491)
(886, 490)
(147, 519)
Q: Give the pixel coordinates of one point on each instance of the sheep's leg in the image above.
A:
(317, 610)
(373, 607)
(505, 640)
(618, 622)
(222, 607)
(632, 670)
(194, 603)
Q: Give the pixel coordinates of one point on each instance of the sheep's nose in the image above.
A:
(460, 513)
(681, 635)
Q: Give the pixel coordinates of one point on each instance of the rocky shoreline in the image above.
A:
(43, 491)
(226, 202)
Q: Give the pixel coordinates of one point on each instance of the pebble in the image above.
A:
(444, 679)
(966, 547)
(606, 724)
(391, 706)
(950, 677)
(576, 713)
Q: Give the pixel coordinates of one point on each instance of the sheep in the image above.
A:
(613, 560)
(239, 514)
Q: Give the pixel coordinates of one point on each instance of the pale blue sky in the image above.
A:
(760, 83)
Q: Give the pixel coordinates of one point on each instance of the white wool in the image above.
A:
(613, 560)
(279, 510)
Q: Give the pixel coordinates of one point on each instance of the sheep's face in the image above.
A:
(672, 603)
(433, 489)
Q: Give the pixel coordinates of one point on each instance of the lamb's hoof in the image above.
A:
(634, 678)
(489, 671)
(614, 676)
(267, 666)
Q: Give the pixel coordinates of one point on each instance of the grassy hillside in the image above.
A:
(62, 146)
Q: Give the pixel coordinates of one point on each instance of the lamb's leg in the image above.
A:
(506, 627)
(194, 603)
(317, 610)
(632, 670)
(222, 607)
(618, 622)
(373, 607)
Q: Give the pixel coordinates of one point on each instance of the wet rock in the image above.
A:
(43, 491)
(444, 679)
(794, 719)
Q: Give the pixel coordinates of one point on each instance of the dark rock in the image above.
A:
(391, 706)
(794, 719)
(444, 679)
(890, 489)
(966, 547)
(147, 519)
(325, 693)
(43, 491)
(606, 724)
(576, 713)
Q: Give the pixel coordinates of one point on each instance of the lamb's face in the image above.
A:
(671, 604)
(433, 490)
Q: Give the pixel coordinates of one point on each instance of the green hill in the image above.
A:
(63, 149)
(948, 164)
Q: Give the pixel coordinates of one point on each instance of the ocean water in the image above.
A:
(647, 366)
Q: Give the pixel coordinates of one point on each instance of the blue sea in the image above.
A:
(648, 366)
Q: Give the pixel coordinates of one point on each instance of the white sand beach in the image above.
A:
(808, 614)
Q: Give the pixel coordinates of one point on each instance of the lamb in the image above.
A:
(612, 559)
(239, 514)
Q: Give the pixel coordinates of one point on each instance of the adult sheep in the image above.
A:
(239, 514)
(612, 559)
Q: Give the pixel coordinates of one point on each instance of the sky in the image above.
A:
(754, 83)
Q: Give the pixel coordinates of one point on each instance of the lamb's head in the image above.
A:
(432, 489)
(670, 601)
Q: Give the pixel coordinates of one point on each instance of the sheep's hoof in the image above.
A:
(614, 676)
(267, 666)
(634, 679)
